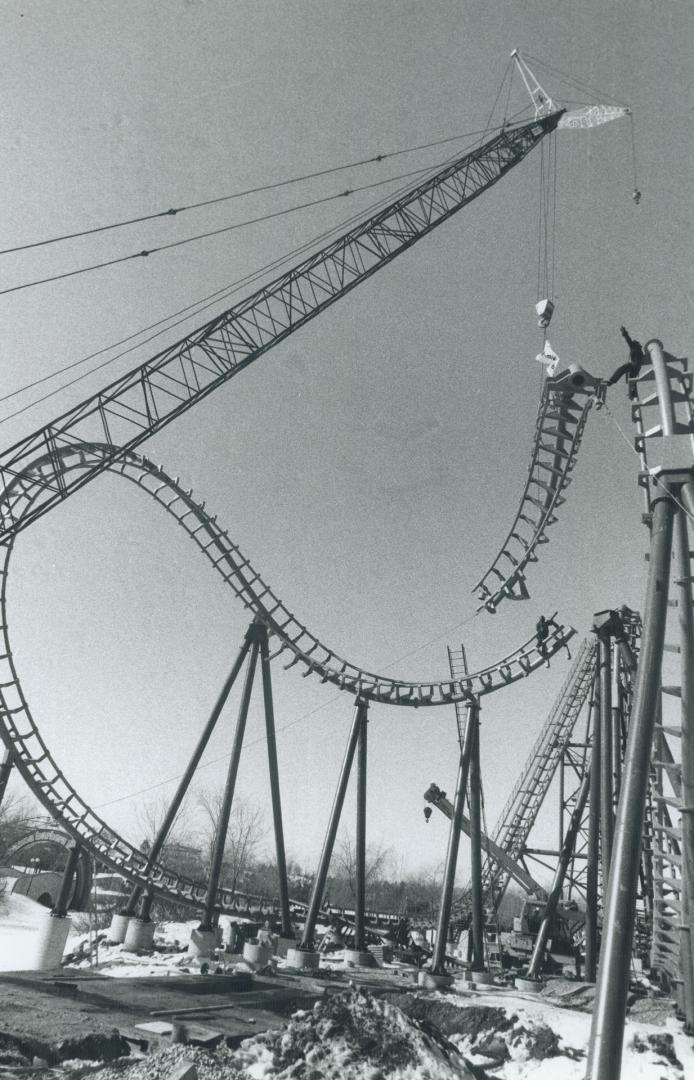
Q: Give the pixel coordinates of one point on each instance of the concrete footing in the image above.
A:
(529, 986)
(50, 945)
(118, 929)
(202, 942)
(284, 944)
(481, 978)
(303, 959)
(139, 936)
(359, 958)
(428, 981)
(257, 954)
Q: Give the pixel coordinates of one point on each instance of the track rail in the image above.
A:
(291, 638)
(46, 779)
(561, 420)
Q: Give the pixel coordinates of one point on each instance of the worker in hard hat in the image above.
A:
(633, 366)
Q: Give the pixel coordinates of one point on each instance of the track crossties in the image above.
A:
(291, 639)
(561, 420)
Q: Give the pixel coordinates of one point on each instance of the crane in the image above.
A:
(147, 398)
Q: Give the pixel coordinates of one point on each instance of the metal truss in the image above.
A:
(662, 872)
(522, 807)
(143, 401)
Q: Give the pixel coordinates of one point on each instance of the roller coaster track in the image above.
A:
(559, 429)
(523, 804)
(44, 468)
(143, 401)
(21, 734)
(663, 833)
(291, 637)
(48, 835)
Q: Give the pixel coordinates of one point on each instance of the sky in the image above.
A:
(371, 464)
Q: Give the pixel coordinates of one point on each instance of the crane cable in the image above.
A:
(193, 309)
(211, 232)
(292, 723)
(592, 92)
(200, 305)
(174, 211)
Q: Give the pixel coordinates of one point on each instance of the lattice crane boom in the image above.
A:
(150, 396)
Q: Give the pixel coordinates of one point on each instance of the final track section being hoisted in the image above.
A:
(561, 420)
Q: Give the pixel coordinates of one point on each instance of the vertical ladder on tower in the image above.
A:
(662, 870)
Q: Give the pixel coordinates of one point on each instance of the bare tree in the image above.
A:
(378, 863)
(181, 849)
(16, 820)
(245, 834)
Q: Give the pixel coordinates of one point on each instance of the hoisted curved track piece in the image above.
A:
(562, 414)
(20, 732)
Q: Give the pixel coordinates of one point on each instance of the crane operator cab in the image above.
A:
(545, 311)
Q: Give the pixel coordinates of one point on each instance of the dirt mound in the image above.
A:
(452, 1018)
(21, 1050)
(348, 1037)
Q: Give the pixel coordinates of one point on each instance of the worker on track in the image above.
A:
(633, 366)
(542, 633)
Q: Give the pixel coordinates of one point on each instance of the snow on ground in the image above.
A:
(352, 1036)
(648, 1054)
(520, 1037)
(20, 921)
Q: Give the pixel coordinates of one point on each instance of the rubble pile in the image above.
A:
(351, 1036)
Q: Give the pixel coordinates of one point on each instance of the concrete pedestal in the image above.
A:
(284, 944)
(50, 945)
(359, 958)
(257, 954)
(202, 942)
(139, 936)
(529, 986)
(303, 959)
(481, 978)
(428, 981)
(118, 929)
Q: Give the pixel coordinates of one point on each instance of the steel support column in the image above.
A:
(287, 929)
(360, 711)
(662, 384)
(606, 787)
(686, 626)
(5, 770)
(616, 727)
(593, 853)
(607, 1032)
(438, 963)
(360, 899)
(565, 855)
(476, 896)
(63, 899)
(208, 919)
(184, 783)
